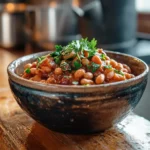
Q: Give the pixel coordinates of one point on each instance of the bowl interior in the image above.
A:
(138, 67)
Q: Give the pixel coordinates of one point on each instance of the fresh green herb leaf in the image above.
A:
(78, 57)
(40, 60)
(93, 67)
(91, 53)
(75, 82)
(79, 46)
(77, 65)
(108, 67)
(28, 71)
(119, 72)
(55, 54)
(93, 44)
(65, 66)
(103, 56)
(57, 60)
(58, 48)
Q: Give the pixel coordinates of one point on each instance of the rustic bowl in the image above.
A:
(78, 109)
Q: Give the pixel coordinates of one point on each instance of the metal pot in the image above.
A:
(12, 23)
(112, 23)
(55, 23)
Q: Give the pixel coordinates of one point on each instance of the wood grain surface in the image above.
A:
(19, 132)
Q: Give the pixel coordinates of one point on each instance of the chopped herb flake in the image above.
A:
(103, 56)
(65, 66)
(40, 60)
(108, 67)
(58, 48)
(93, 67)
(119, 72)
(28, 70)
(77, 65)
(57, 60)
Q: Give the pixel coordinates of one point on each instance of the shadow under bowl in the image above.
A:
(78, 109)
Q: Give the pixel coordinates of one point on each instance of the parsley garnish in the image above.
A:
(93, 67)
(77, 65)
(28, 70)
(58, 48)
(40, 60)
(119, 72)
(78, 47)
(65, 66)
(103, 56)
(57, 52)
(57, 60)
(108, 67)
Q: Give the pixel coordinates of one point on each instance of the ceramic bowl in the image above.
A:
(78, 109)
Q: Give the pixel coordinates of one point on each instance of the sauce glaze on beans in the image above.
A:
(78, 63)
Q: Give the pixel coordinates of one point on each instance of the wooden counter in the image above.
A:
(19, 132)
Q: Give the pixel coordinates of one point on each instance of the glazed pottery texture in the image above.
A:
(78, 109)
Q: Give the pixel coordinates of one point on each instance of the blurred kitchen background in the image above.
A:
(120, 25)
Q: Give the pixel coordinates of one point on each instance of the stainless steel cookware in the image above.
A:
(12, 25)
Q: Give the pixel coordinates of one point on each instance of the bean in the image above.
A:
(29, 65)
(85, 61)
(118, 77)
(58, 71)
(125, 70)
(51, 80)
(36, 78)
(86, 81)
(113, 63)
(119, 66)
(96, 59)
(107, 62)
(26, 75)
(106, 71)
(45, 62)
(86, 54)
(45, 69)
(88, 75)
(110, 75)
(33, 71)
(100, 79)
(107, 58)
(69, 55)
(128, 75)
(127, 67)
(34, 64)
(79, 73)
(100, 50)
